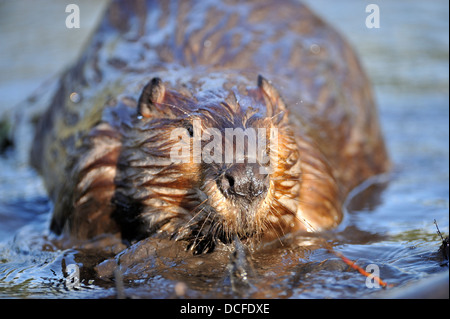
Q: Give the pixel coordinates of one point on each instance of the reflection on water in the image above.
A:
(407, 59)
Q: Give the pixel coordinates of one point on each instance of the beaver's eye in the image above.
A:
(190, 129)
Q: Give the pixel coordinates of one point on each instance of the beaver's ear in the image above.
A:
(153, 92)
(276, 109)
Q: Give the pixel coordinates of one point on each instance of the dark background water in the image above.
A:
(407, 59)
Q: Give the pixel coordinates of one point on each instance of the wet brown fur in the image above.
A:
(105, 160)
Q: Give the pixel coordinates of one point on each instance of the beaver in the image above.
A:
(161, 77)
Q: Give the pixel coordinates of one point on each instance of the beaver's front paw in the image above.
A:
(197, 243)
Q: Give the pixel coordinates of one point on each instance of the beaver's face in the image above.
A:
(233, 168)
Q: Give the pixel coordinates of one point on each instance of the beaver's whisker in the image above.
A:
(217, 230)
(275, 210)
(301, 201)
(193, 209)
(178, 108)
(191, 222)
(300, 179)
(277, 114)
(268, 223)
(201, 228)
(301, 220)
(289, 211)
(318, 176)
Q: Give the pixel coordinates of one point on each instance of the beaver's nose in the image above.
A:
(245, 180)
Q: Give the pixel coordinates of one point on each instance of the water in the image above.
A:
(393, 228)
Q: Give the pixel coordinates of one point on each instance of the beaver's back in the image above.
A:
(210, 46)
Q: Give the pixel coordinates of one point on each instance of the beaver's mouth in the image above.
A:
(231, 206)
(243, 192)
